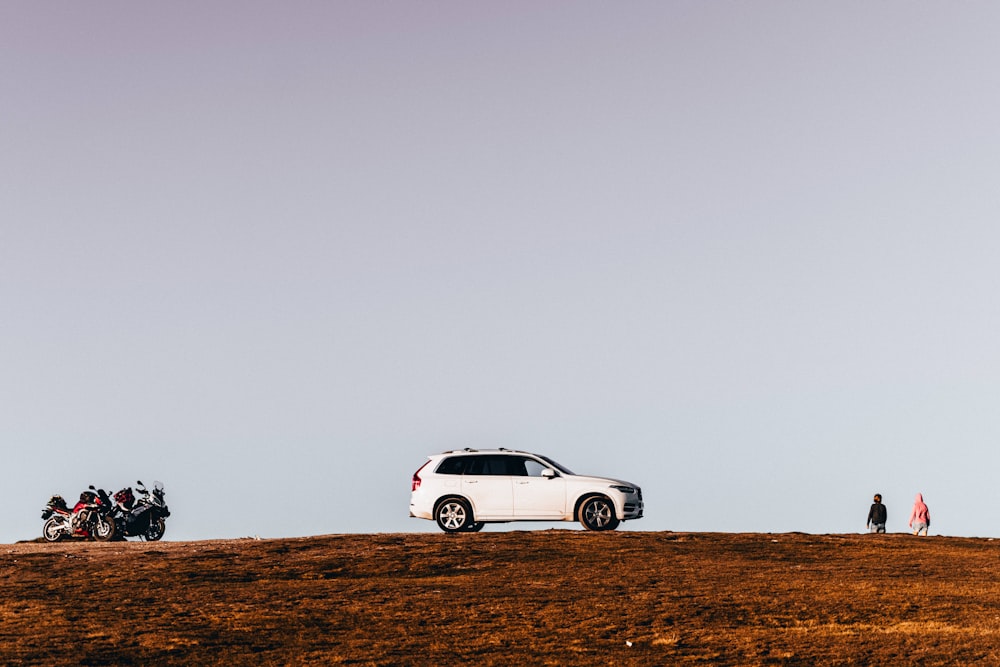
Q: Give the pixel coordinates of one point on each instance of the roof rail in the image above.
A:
(498, 449)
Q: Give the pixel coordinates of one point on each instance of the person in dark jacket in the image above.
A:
(877, 515)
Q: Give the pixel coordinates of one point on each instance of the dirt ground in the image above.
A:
(553, 597)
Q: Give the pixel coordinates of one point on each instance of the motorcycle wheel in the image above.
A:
(53, 530)
(104, 529)
(156, 529)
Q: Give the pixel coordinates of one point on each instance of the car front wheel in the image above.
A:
(598, 514)
(453, 515)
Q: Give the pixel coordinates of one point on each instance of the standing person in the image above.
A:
(877, 516)
(920, 517)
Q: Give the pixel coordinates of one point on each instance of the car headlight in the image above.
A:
(624, 489)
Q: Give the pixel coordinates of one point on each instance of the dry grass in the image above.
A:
(546, 598)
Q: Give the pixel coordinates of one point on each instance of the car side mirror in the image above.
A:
(549, 472)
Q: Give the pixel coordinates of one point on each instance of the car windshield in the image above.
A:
(563, 469)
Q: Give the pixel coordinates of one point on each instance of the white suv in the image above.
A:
(463, 490)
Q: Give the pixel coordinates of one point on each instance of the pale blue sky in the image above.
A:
(274, 254)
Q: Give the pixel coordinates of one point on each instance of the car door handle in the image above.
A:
(472, 481)
(524, 482)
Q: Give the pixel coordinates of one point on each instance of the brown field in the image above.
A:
(552, 597)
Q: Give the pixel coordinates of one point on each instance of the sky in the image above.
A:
(275, 254)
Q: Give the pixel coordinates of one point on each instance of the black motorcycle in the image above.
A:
(142, 517)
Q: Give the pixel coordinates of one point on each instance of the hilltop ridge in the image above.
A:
(538, 597)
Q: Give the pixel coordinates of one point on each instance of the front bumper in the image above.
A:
(633, 506)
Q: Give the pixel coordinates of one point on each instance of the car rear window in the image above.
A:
(453, 465)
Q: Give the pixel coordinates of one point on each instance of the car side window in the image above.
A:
(492, 465)
(475, 465)
(498, 465)
(454, 465)
(515, 466)
(534, 468)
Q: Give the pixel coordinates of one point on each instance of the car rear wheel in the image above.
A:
(453, 515)
(598, 513)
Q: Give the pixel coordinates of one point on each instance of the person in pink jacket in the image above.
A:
(920, 517)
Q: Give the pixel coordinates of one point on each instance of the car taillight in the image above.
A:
(416, 477)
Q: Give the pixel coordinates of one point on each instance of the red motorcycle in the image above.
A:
(87, 520)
